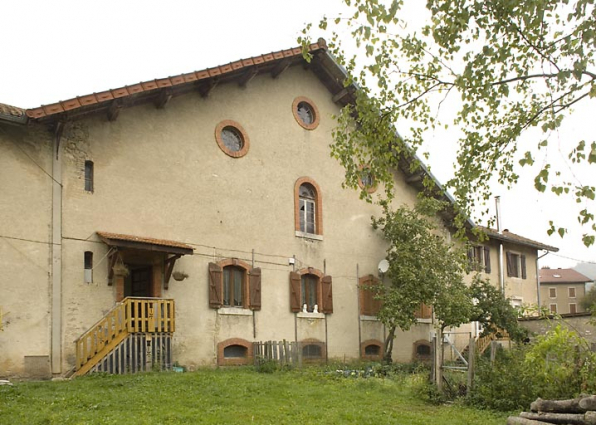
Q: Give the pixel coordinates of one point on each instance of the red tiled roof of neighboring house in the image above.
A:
(169, 82)
(562, 276)
(144, 240)
(11, 111)
(508, 236)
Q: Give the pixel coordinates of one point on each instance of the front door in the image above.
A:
(141, 282)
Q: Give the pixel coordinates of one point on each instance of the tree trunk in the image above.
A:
(387, 357)
(588, 403)
(561, 406)
(516, 420)
(561, 418)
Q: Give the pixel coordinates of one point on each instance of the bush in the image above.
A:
(558, 365)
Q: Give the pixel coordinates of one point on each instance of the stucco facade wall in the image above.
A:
(160, 173)
(25, 256)
(562, 298)
(523, 291)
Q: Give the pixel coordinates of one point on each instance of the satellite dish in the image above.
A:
(383, 266)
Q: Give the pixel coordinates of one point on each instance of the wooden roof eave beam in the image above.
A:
(207, 87)
(169, 268)
(114, 109)
(280, 67)
(163, 98)
(248, 76)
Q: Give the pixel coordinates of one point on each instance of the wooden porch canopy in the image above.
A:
(171, 249)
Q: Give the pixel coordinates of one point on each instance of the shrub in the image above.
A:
(558, 365)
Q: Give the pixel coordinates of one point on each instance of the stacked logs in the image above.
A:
(577, 411)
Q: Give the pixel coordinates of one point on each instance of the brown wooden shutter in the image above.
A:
(487, 259)
(471, 258)
(327, 295)
(365, 296)
(509, 264)
(427, 311)
(523, 266)
(215, 285)
(376, 303)
(254, 289)
(295, 292)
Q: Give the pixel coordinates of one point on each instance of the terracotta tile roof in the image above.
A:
(562, 276)
(11, 111)
(147, 86)
(508, 236)
(140, 239)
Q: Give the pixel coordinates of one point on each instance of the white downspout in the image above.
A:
(56, 315)
(538, 277)
(500, 230)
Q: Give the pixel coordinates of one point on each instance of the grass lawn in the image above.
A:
(229, 396)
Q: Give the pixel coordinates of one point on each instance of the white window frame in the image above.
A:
(574, 292)
(575, 306)
(550, 308)
(549, 293)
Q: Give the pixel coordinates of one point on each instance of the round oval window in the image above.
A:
(232, 139)
(306, 113)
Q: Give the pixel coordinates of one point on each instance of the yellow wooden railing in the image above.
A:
(483, 343)
(132, 315)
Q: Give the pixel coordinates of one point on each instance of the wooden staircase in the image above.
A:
(133, 336)
(482, 343)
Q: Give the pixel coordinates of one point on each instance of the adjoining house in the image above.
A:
(561, 290)
(184, 218)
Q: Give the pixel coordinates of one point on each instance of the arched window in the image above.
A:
(233, 286)
(371, 349)
(422, 350)
(307, 208)
(309, 287)
(308, 204)
(234, 352)
(313, 350)
(233, 283)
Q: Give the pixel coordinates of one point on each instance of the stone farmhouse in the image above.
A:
(185, 218)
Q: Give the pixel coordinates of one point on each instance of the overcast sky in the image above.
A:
(56, 50)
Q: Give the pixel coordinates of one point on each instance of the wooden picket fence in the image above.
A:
(283, 352)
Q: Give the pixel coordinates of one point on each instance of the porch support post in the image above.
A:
(157, 278)
(119, 278)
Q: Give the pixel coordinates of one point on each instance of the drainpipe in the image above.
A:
(538, 277)
(56, 315)
(499, 229)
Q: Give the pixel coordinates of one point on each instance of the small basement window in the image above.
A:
(312, 351)
(372, 350)
(235, 351)
(88, 267)
(423, 350)
(89, 176)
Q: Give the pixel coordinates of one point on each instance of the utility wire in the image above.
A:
(31, 159)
